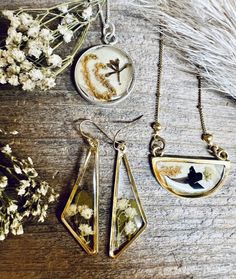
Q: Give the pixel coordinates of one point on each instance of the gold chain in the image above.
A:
(158, 143)
(159, 78)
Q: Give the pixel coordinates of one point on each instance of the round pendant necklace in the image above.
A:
(104, 74)
(186, 176)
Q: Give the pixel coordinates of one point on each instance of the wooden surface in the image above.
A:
(185, 238)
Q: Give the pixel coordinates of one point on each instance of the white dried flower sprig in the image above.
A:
(28, 57)
(83, 218)
(127, 220)
(22, 194)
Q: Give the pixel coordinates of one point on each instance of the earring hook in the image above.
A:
(96, 125)
(130, 123)
(113, 140)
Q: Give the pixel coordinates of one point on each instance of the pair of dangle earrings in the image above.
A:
(81, 213)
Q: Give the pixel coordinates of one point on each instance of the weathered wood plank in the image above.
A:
(185, 238)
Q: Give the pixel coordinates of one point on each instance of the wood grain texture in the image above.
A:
(185, 238)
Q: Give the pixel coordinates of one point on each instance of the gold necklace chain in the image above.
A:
(158, 143)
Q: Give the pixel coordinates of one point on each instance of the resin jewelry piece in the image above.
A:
(128, 218)
(80, 214)
(187, 176)
(105, 74)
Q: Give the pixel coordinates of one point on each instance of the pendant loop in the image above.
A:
(157, 145)
(109, 36)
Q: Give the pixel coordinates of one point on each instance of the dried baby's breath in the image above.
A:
(23, 194)
(28, 58)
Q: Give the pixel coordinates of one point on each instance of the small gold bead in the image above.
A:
(156, 126)
(207, 138)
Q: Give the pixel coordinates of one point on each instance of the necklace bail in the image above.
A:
(109, 36)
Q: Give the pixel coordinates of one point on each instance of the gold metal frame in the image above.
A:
(122, 156)
(94, 148)
(190, 160)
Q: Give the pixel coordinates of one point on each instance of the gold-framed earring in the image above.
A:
(81, 213)
(128, 217)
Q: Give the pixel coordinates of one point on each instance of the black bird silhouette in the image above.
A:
(192, 179)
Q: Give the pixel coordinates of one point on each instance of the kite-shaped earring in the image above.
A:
(80, 214)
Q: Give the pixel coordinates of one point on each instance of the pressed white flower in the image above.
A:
(2, 236)
(26, 65)
(87, 213)
(14, 38)
(28, 85)
(68, 36)
(13, 70)
(8, 14)
(18, 55)
(82, 207)
(208, 173)
(87, 13)
(17, 169)
(4, 53)
(6, 226)
(30, 161)
(26, 19)
(130, 228)
(51, 198)
(10, 60)
(21, 192)
(62, 29)
(17, 230)
(3, 182)
(11, 31)
(44, 187)
(72, 210)
(47, 50)
(34, 49)
(25, 38)
(55, 61)
(48, 83)
(63, 8)
(12, 208)
(122, 204)
(26, 213)
(46, 34)
(6, 149)
(68, 19)
(22, 188)
(41, 219)
(36, 74)
(85, 230)
(33, 31)
(43, 214)
(130, 212)
(3, 77)
(66, 32)
(37, 212)
(24, 183)
(13, 80)
(15, 22)
(31, 172)
(3, 62)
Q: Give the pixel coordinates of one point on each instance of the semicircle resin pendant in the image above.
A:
(104, 75)
(190, 177)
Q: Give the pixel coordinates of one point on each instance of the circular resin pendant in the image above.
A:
(104, 75)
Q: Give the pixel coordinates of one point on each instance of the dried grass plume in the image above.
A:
(203, 32)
